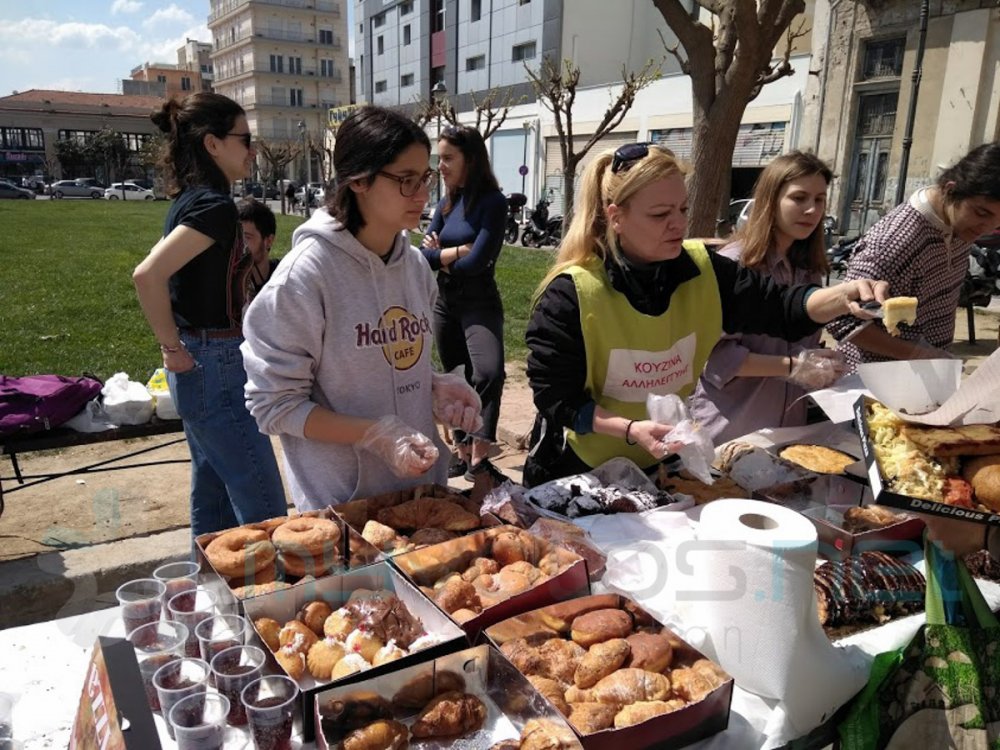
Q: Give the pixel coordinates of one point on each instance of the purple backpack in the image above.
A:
(42, 402)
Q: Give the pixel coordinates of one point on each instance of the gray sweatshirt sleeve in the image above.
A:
(283, 329)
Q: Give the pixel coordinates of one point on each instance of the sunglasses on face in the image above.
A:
(409, 185)
(247, 138)
(628, 154)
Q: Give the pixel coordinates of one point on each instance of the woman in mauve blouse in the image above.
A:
(753, 381)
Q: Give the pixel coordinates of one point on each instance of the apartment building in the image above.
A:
(284, 61)
(197, 56)
(166, 80)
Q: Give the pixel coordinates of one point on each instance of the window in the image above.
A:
(476, 11)
(378, 20)
(295, 97)
(524, 51)
(523, 2)
(79, 136)
(406, 8)
(361, 28)
(437, 15)
(884, 59)
(380, 45)
(277, 64)
(26, 138)
(161, 79)
(381, 86)
(475, 63)
(326, 36)
(185, 83)
(295, 65)
(326, 68)
(406, 80)
(406, 34)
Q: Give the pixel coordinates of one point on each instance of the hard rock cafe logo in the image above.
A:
(399, 333)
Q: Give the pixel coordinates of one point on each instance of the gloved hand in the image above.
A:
(816, 368)
(456, 403)
(406, 451)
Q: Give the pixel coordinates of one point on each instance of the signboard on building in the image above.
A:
(336, 115)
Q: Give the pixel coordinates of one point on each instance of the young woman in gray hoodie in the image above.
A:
(338, 343)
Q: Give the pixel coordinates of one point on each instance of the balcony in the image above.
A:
(274, 101)
(225, 43)
(281, 35)
(230, 6)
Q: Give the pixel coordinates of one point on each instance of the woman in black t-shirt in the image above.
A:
(192, 287)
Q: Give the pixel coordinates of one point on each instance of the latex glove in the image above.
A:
(817, 368)
(650, 436)
(407, 452)
(456, 403)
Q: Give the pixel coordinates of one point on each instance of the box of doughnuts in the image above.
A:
(619, 676)
(493, 574)
(405, 520)
(260, 558)
(951, 471)
(846, 518)
(469, 699)
(343, 628)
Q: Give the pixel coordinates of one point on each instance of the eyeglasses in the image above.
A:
(409, 185)
(246, 137)
(626, 155)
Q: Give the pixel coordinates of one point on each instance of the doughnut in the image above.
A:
(292, 661)
(247, 592)
(268, 630)
(240, 552)
(312, 566)
(269, 525)
(297, 636)
(314, 614)
(264, 575)
(323, 656)
(305, 537)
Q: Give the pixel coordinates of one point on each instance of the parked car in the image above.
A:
(75, 189)
(128, 191)
(34, 182)
(12, 191)
(316, 193)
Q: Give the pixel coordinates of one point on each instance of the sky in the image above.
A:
(90, 45)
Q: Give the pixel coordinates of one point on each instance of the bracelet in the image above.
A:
(172, 349)
(628, 429)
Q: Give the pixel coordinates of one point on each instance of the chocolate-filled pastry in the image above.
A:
(387, 618)
(428, 513)
(649, 651)
(560, 659)
(545, 734)
(589, 716)
(417, 693)
(601, 660)
(448, 715)
(636, 713)
(343, 715)
(383, 734)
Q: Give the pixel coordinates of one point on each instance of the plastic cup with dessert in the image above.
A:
(220, 632)
(178, 578)
(233, 669)
(269, 704)
(199, 721)
(179, 679)
(141, 602)
(156, 644)
(190, 608)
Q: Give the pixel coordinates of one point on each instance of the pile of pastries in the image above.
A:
(511, 562)
(419, 522)
(444, 710)
(259, 558)
(606, 666)
(371, 629)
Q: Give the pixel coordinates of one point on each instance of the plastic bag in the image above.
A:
(697, 451)
(570, 536)
(92, 418)
(163, 402)
(126, 401)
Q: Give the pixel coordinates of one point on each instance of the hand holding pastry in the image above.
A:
(406, 451)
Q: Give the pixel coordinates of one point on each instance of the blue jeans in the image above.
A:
(234, 476)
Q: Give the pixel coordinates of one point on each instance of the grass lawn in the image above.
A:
(67, 304)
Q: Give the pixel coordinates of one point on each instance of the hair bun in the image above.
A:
(165, 118)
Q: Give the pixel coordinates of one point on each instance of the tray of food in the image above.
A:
(469, 700)
(620, 677)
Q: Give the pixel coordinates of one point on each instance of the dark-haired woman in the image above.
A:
(338, 343)
(462, 244)
(753, 380)
(921, 248)
(191, 288)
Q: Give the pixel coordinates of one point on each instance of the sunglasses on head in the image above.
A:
(626, 155)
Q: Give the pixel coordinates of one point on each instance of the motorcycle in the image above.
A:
(515, 202)
(542, 230)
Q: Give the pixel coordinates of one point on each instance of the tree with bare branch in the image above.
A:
(556, 87)
(729, 63)
(277, 155)
(491, 110)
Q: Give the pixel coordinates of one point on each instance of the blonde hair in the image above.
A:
(590, 238)
(757, 236)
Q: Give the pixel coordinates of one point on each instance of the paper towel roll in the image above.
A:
(754, 567)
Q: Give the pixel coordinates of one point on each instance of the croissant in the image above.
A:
(545, 734)
(695, 682)
(623, 687)
(560, 659)
(587, 718)
(449, 714)
(637, 713)
(428, 512)
(601, 660)
(417, 693)
(383, 734)
(552, 691)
